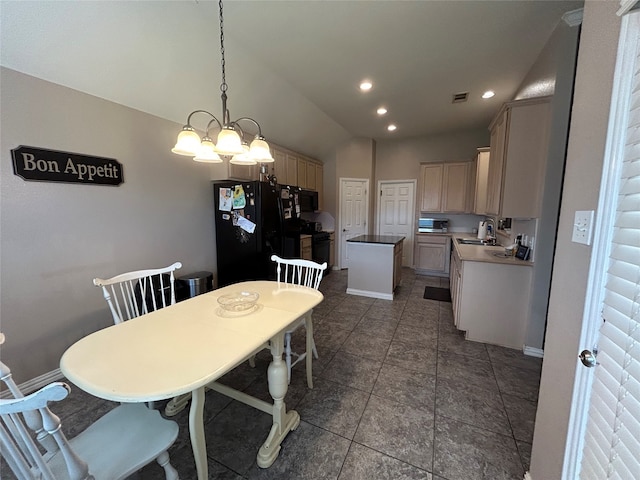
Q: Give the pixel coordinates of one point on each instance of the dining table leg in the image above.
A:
(283, 421)
(196, 432)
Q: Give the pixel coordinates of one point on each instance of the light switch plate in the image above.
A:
(583, 227)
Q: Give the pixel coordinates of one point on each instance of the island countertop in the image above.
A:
(380, 239)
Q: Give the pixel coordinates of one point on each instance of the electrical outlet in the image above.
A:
(582, 227)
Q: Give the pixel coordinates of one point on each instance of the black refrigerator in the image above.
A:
(249, 229)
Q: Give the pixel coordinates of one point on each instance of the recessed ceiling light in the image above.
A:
(488, 94)
(391, 127)
(366, 85)
(381, 111)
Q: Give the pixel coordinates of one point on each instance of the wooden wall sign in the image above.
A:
(39, 164)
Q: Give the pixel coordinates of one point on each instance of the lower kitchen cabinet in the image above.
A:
(431, 253)
(491, 301)
(305, 247)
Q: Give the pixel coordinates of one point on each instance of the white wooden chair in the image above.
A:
(309, 274)
(132, 294)
(115, 446)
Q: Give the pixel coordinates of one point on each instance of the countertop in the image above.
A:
(481, 253)
(379, 239)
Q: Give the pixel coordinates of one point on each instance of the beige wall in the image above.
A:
(596, 61)
(551, 74)
(55, 238)
(400, 160)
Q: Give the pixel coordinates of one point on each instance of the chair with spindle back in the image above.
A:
(309, 274)
(132, 294)
(136, 293)
(115, 446)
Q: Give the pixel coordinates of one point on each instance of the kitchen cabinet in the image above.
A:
(518, 156)
(244, 172)
(431, 254)
(444, 187)
(398, 249)
(455, 273)
(279, 166)
(481, 180)
(292, 170)
(302, 173)
(305, 247)
(431, 187)
(332, 249)
(490, 300)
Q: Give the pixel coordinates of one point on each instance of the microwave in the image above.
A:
(308, 201)
(433, 225)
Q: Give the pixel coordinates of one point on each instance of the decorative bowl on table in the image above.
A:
(238, 302)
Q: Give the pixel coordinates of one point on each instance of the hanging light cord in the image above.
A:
(223, 85)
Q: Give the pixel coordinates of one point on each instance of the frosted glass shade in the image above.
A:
(188, 142)
(260, 152)
(243, 158)
(229, 142)
(206, 152)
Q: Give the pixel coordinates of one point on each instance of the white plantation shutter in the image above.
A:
(612, 440)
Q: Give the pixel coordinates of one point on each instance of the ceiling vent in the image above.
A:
(460, 97)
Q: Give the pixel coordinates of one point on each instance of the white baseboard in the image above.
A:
(527, 476)
(533, 352)
(34, 384)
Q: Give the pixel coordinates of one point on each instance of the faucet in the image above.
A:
(492, 237)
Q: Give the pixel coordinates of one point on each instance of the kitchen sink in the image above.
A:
(471, 241)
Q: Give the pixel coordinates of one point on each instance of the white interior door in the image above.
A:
(604, 438)
(396, 208)
(354, 213)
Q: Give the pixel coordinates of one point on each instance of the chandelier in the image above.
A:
(231, 141)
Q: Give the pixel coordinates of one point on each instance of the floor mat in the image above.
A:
(435, 293)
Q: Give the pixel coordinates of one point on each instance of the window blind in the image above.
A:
(612, 440)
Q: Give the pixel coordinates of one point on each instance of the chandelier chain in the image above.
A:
(223, 85)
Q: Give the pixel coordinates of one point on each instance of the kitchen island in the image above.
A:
(375, 265)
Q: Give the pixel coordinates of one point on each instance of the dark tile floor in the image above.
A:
(398, 394)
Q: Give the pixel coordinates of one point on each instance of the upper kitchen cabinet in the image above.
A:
(444, 187)
(518, 154)
(244, 172)
(481, 179)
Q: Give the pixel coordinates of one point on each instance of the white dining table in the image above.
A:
(186, 347)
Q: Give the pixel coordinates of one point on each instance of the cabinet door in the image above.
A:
(431, 257)
(455, 187)
(305, 247)
(431, 193)
(525, 160)
(482, 174)
(279, 166)
(292, 171)
(244, 172)
(320, 185)
(397, 265)
(496, 163)
(302, 173)
(311, 183)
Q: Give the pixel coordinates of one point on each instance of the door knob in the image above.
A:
(587, 358)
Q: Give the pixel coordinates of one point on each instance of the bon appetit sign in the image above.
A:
(42, 165)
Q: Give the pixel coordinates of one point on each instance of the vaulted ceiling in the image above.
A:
(295, 65)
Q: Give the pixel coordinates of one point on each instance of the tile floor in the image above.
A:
(398, 394)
